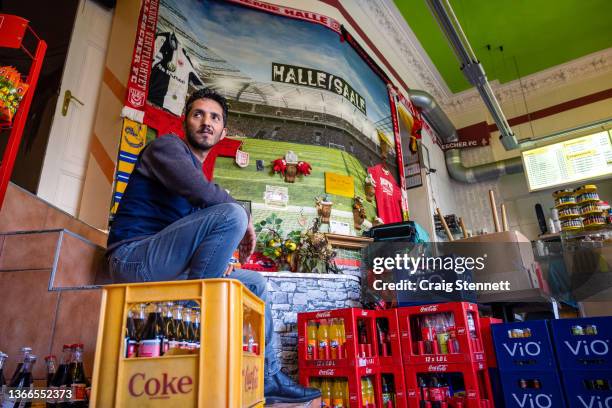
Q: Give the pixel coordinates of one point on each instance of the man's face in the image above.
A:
(204, 124)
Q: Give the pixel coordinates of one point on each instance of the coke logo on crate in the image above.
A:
(369, 370)
(139, 385)
(536, 401)
(471, 394)
(530, 348)
(430, 308)
(412, 393)
(461, 331)
(437, 368)
(594, 347)
(321, 315)
(250, 378)
(329, 371)
(595, 401)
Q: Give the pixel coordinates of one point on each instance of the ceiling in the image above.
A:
(535, 35)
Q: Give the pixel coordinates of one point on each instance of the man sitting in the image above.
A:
(174, 224)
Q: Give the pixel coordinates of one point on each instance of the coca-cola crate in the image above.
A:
(524, 346)
(219, 374)
(388, 337)
(532, 389)
(487, 339)
(464, 385)
(584, 343)
(588, 388)
(440, 333)
(393, 377)
(357, 348)
(355, 391)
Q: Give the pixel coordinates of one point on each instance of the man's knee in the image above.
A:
(254, 281)
(234, 213)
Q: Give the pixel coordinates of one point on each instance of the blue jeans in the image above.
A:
(197, 246)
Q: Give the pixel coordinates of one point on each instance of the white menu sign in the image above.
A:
(582, 158)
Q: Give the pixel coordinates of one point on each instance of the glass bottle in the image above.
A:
(179, 326)
(78, 378)
(24, 380)
(151, 338)
(25, 352)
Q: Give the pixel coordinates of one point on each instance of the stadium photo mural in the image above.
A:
(292, 83)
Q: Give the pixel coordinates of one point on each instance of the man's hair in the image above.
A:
(206, 93)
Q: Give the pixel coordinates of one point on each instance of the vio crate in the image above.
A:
(388, 337)
(588, 388)
(496, 387)
(532, 389)
(464, 385)
(440, 333)
(337, 338)
(524, 346)
(354, 387)
(487, 339)
(583, 344)
(225, 371)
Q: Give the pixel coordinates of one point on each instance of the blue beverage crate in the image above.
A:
(548, 395)
(588, 388)
(583, 351)
(523, 353)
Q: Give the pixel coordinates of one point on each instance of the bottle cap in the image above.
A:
(50, 357)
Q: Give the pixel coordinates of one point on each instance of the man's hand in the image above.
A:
(247, 245)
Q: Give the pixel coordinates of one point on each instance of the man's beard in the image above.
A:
(204, 146)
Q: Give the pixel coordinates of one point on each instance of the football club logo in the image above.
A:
(136, 97)
(242, 158)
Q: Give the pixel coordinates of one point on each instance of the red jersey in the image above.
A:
(388, 195)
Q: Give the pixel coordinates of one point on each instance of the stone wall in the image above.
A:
(292, 293)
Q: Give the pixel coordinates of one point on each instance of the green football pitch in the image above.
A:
(250, 184)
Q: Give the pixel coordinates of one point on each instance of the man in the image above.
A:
(173, 224)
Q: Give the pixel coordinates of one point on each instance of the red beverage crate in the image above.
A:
(441, 333)
(465, 385)
(352, 352)
(388, 344)
(487, 339)
(353, 376)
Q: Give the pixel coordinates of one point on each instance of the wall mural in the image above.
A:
(294, 80)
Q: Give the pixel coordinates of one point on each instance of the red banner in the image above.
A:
(396, 135)
(292, 13)
(144, 48)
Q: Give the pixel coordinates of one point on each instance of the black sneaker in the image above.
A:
(281, 388)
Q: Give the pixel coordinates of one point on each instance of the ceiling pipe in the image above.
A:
(442, 125)
(471, 67)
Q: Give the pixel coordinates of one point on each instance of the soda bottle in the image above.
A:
(388, 394)
(315, 383)
(471, 325)
(24, 380)
(189, 334)
(370, 393)
(139, 320)
(362, 332)
(78, 379)
(250, 338)
(179, 327)
(25, 352)
(382, 327)
(51, 363)
(335, 337)
(364, 392)
(61, 379)
(151, 338)
(323, 340)
(342, 341)
(442, 336)
(169, 329)
(131, 340)
(326, 393)
(436, 393)
(196, 327)
(311, 335)
(427, 334)
(338, 394)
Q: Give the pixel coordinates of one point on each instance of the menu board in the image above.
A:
(582, 158)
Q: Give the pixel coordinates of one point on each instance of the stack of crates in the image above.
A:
(585, 360)
(527, 365)
(226, 370)
(443, 356)
(347, 354)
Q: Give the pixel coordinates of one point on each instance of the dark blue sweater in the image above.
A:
(166, 185)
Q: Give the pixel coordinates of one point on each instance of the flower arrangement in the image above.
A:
(304, 251)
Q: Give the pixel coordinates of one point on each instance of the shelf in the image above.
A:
(348, 241)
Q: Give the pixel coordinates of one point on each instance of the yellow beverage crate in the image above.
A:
(220, 374)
